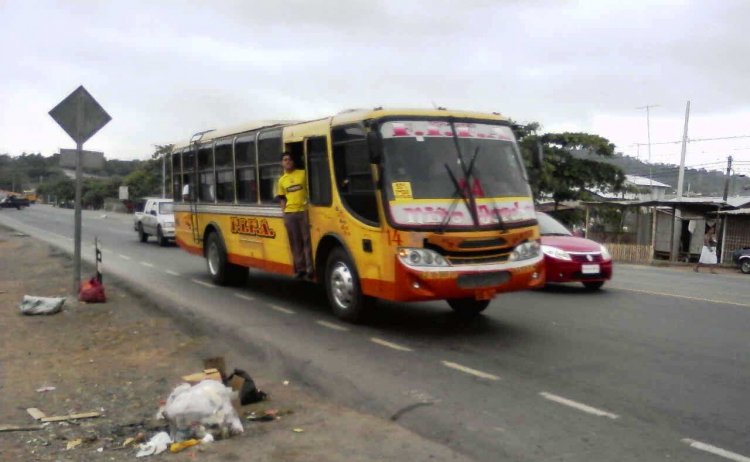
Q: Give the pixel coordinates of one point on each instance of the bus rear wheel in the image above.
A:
(221, 271)
(342, 287)
(468, 306)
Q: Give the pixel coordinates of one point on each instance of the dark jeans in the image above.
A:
(298, 228)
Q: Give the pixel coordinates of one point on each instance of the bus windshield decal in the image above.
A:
(429, 213)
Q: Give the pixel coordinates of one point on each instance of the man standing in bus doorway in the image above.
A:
(292, 191)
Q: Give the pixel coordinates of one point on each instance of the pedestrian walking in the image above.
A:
(708, 252)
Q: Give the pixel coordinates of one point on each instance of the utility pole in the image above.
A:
(681, 175)
(680, 181)
(722, 219)
(648, 134)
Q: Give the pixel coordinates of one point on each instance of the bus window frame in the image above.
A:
(364, 125)
(253, 165)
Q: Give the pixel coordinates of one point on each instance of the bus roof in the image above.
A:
(346, 116)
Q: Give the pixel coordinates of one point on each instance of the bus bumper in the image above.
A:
(479, 282)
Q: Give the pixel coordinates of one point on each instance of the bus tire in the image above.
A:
(221, 271)
(163, 241)
(342, 286)
(468, 306)
(142, 234)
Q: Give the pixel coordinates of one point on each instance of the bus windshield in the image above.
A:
(421, 170)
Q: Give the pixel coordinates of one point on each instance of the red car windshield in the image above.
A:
(548, 226)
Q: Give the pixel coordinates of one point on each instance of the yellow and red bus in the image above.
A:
(404, 205)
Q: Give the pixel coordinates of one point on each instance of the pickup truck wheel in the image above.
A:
(468, 306)
(221, 271)
(745, 266)
(163, 241)
(141, 234)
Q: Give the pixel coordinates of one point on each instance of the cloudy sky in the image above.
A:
(164, 70)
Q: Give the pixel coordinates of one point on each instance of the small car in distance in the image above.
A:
(568, 258)
(741, 258)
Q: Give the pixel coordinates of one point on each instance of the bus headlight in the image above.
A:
(421, 257)
(525, 251)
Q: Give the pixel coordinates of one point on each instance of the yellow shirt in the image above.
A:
(293, 186)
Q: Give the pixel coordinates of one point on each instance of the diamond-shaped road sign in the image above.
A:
(80, 115)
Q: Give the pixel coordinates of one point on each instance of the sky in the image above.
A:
(164, 70)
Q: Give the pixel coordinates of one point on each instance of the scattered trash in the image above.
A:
(206, 374)
(19, 428)
(241, 382)
(209, 438)
(35, 413)
(128, 442)
(267, 415)
(58, 418)
(298, 430)
(41, 305)
(218, 364)
(100, 450)
(72, 444)
(177, 447)
(286, 382)
(92, 291)
(45, 389)
(156, 445)
(193, 411)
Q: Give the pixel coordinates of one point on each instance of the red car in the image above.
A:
(568, 258)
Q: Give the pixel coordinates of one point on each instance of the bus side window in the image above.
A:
(269, 164)
(223, 162)
(176, 175)
(247, 183)
(207, 178)
(351, 162)
(318, 175)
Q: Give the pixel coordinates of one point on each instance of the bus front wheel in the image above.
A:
(468, 306)
(342, 286)
(221, 271)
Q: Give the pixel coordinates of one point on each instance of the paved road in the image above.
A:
(655, 366)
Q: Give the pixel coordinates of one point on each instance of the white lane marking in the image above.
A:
(331, 325)
(388, 344)
(685, 297)
(469, 370)
(717, 451)
(204, 284)
(124, 257)
(244, 297)
(173, 273)
(281, 309)
(145, 263)
(579, 406)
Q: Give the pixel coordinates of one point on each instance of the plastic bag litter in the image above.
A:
(41, 305)
(156, 445)
(92, 291)
(200, 409)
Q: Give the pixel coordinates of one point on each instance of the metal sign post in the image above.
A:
(80, 115)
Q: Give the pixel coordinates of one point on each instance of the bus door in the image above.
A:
(319, 188)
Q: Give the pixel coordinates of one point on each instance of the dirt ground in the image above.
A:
(123, 357)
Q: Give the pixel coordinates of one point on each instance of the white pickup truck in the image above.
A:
(157, 219)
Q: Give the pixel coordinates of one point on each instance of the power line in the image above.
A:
(693, 140)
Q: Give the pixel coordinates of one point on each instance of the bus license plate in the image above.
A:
(589, 269)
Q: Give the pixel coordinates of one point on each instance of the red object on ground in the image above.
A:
(92, 291)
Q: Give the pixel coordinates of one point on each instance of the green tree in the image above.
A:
(563, 175)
